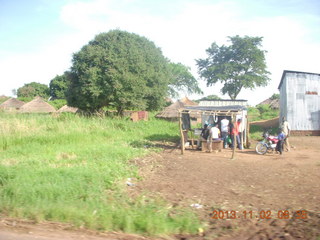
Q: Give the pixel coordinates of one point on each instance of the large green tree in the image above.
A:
(182, 80)
(208, 98)
(33, 89)
(239, 65)
(119, 69)
(59, 85)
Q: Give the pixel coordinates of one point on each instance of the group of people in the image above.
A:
(226, 133)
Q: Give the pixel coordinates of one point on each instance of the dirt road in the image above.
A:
(245, 198)
(262, 189)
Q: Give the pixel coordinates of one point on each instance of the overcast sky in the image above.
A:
(38, 37)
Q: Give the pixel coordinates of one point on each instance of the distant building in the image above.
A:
(172, 112)
(12, 104)
(300, 101)
(67, 108)
(37, 105)
(223, 102)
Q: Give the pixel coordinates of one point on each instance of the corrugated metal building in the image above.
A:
(300, 101)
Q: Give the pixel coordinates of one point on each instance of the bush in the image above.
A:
(58, 103)
(262, 112)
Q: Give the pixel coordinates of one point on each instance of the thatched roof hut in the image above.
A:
(187, 102)
(37, 105)
(66, 108)
(274, 103)
(12, 104)
(172, 111)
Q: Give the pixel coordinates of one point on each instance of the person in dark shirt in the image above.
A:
(281, 138)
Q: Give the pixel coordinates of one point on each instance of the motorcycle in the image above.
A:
(269, 143)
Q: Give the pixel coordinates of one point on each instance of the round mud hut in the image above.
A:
(69, 109)
(37, 105)
(12, 104)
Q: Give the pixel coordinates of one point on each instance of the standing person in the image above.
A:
(224, 131)
(286, 128)
(235, 132)
(239, 136)
(281, 138)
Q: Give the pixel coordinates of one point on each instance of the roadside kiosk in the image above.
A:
(210, 114)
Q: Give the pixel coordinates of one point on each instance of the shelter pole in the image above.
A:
(181, 133)
(242, 136)
(234, 137)
(247, 133)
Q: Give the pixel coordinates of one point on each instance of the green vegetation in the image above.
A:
(259, 113)
(262, 112)
(73, 169)
(58, 103)
(125, 71)
(239, 65)
(257, 131)
(59, 85)
(182, 80)
(208, 98)
(275, 96)
(3, 99)
(33, 89)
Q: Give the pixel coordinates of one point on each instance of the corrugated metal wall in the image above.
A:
(300, 100)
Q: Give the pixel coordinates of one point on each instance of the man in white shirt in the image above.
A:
(213, 135)
(215, 132)
(286, 128)
(224, 131)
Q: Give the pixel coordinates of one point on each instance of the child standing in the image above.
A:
(281, 138)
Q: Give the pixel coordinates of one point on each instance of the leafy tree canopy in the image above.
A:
(118, 69)
(209, 97)
(182, 80)
(33, 89)
(275, 96)
(239, 65)
(59, 85)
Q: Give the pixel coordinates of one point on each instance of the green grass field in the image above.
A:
(73, 169)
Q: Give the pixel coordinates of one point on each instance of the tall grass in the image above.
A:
(73, 169)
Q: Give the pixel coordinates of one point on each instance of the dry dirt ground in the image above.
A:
(251, 193)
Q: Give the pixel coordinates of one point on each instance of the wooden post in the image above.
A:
(234, 137)
(181, 133)
(242, 135)
(192, 138)
(247, 133)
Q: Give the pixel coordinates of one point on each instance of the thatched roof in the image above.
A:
(274, 103)
(66, 108)
(12, 104)
(3, 98)
(186, 101)
(172, 111)
(37, 105)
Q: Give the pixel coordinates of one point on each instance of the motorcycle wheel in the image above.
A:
(261, 148)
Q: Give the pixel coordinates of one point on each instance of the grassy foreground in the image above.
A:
(73, 169)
